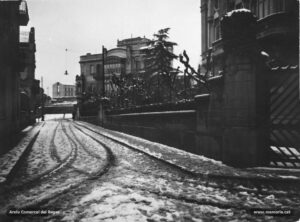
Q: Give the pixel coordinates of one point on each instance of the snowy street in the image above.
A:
(84, 176)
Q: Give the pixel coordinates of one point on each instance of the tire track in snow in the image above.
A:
(87, 150)
(54, 151)
(110, 157)
(50, 172)
(46, 198)
(258, 186)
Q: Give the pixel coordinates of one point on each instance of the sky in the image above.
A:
(83, 26)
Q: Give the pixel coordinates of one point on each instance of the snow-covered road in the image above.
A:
(88, 177)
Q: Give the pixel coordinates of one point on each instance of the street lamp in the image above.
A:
(66, 72)
(104, 51)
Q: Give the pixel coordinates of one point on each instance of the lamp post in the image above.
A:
(103, 99)
(104, 50)
(42, 98)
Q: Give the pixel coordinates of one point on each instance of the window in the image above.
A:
(216, 4)
(266, 8)
(98, 69)
(279, 5)
(2, 96)
(58, 89)
(261, 9)
(86, 69)
(246, 4)
(230, 6)
(92, 69)
(253, 7)
(238, 4)
(217, 31)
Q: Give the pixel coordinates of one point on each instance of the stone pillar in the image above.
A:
(245, 136)
(104, 104)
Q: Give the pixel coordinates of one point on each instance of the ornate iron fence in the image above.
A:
(284, 117)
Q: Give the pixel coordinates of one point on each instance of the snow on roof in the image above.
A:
(146, 47)
(229, 14)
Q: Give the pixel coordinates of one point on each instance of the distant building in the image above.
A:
(126, 59)
(277, 34)
(91, 69)
(62, 91)
(13, 13)
(134, 57)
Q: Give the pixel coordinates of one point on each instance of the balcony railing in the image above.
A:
(279, 23)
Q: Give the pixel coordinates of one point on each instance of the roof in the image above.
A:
(63, 85)
(132, 41)
(90, 58)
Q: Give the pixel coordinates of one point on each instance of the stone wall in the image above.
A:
(174, 128)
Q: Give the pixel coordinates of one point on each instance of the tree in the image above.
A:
(158, 62)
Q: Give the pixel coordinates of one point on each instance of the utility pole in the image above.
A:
(42, 98)
(103, 74)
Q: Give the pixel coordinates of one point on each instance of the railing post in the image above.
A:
(104, 103)
(245, 136)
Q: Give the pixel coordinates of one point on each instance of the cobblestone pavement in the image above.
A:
(82, 176)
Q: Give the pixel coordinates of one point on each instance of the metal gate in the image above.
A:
(284, 117)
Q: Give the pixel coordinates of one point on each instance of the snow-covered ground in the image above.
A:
(58, 116)
(191, 162)
(136, 187)
(54, 163)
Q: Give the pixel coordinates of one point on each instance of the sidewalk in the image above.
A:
(200, 165)
(9, 161)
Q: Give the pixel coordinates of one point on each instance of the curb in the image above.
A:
(10, 161)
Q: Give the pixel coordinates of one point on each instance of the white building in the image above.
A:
(60, 90)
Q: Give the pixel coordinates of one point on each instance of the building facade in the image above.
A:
(13, 14)
(277, 33)
(29, 86)
(126, 59)
(62, 91)
(134, 57)
(91, 67)
(114, 66)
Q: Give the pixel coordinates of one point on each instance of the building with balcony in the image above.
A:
(13, 14)
(91, 68)
(126, 59)
(277, 34)
(114, 66)
(29, 86)
(134, 56)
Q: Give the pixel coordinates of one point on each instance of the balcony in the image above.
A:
(281, 23)
(217, 47)
(23, 13)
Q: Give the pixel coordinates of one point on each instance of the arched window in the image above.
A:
(217, 30)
